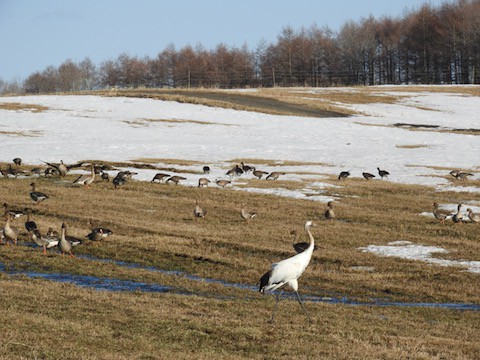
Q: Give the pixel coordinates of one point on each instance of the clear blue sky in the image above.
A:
(38, 33)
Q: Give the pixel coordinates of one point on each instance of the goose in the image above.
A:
(97, 234)
(259, 173)
(62, 168)
(199, 212)
(247, 215)
(126, 174)
(105, 176)
(383, 173)
(463, 175)
(46, 242)
(36, 171)
(160, 177)
(206, 169)
(52, 233)
(300, 246)
(176, 179)
(223, 183)
(15, 213)
(66, 244)
(343, 175)
(439, 215)
(474, 217)
(30, 225)
(458, 217)
(9, 233)
(368, 176)
(274, 175)
(238, 170)
(15, 172)
(5, 173)
(37, 196)
(246, 168)
(17, 161)
(119, 181)
(231, 172)
(203, 182)
(329, 213)
(49, 171)
(86, 179)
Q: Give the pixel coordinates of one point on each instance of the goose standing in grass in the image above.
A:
(65, 244)
(274, 175)
(383, 173)
(343, 175)
(474, 217)
(203, 182)
(259, 173)
(175, 179)
(246, 168)
(37, 196)
(223, 183)
(30, 225)
(329, 213)
(439, 215)
(368, 176)
(9, 233)
(17, 161)
(160, 177)
(86, 179)
(98, 234)
(247, 215)
(105, 176)
(458, 217)
(287, 272)
(199, 212)
(14, 212)
(46, 242)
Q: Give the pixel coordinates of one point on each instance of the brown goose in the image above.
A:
(383, 173)
(199, 212)
(274, 175)
(87, 179)
(458, 217)
(343, 175)
(176, 179)
(259, 173)
(223, 183)
(160, 177)
(368, 176)
(247, 215)
(9, 233)
(329, 213)
(46, 242)
(203, 182)
(66, 244)
(439, 215)
(105, 176)
(474, 217)
(37, 196)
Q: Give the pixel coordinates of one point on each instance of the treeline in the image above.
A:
(431, 45)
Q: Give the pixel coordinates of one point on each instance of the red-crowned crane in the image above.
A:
(288, 271)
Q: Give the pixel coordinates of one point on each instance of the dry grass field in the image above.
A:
(153, 226)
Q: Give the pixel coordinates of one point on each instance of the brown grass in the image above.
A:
(153, 225)
(13, 106)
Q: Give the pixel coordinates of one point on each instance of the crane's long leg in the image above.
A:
(277, 298)
(303, 306)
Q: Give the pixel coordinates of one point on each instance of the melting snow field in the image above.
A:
(123, 129)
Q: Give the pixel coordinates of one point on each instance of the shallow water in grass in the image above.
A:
(112, 284)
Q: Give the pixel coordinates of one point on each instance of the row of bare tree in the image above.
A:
(431, 45)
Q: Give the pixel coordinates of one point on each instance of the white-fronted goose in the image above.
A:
(9, 233)
(274, 175)
(199, 212)
(259, 173)
(223, 183)
(247, 215)
(62, 168)
(36, 171)
(246, 168)
(86, 179)
(383, 173)
(206, 169)
(119, 181)
(66, 244)
(45, 242)
(98, 234)
(37, 196)
(474, 217)
(458, 217)
(203, 182)
(176, 179)
(368, 176)
(439, 215)
(16, 213)
(343, 175)
(160, 177)
(105, 176)
(17, 161)
(329, 213)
